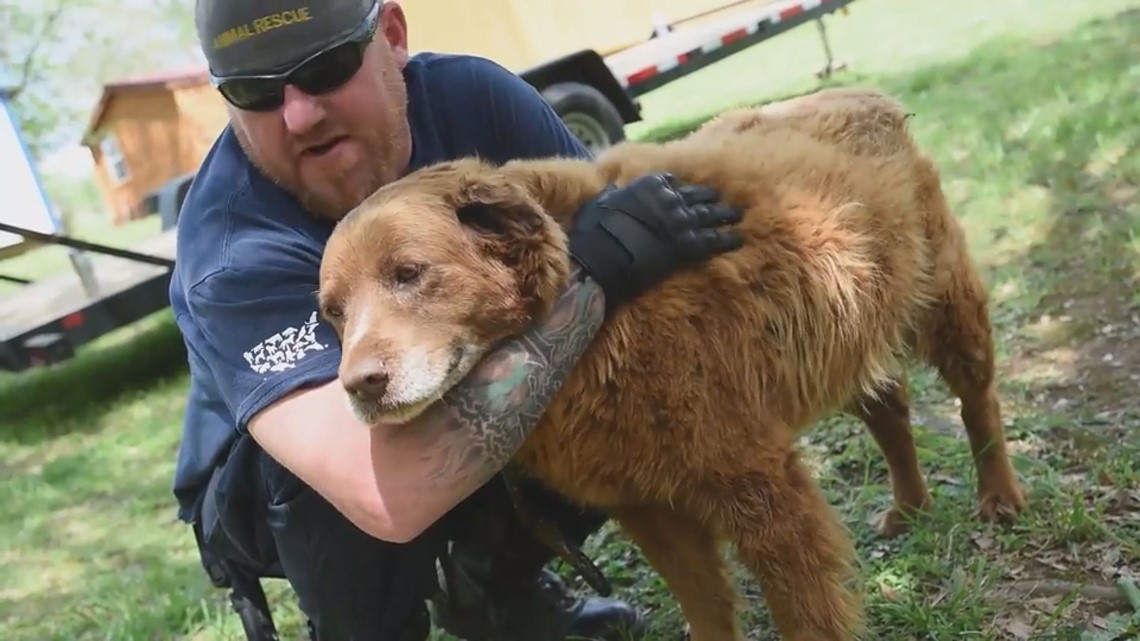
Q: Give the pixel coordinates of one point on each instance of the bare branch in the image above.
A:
(28, 66)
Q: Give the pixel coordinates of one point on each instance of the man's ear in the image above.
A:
(511, 227)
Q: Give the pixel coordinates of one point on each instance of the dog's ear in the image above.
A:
(510, 226)
(494, 208)
(498, 221)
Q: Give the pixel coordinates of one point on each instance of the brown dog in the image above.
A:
(680, 420)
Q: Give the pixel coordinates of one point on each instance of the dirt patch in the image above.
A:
(1078, 361)
(1084, 350)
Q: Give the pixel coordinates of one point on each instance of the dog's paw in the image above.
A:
(891, 522)
(1002, 505)
(895, 520)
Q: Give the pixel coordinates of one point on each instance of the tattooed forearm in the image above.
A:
(486, 418)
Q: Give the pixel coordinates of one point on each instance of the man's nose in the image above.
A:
(366, 379)
(302, 112)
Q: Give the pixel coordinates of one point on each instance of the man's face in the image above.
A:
(333, 150)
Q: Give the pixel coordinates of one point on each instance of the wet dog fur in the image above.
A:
(680, 420)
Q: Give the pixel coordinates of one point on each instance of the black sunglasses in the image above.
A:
(320, 73)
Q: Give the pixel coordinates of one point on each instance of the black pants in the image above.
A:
(350, 585)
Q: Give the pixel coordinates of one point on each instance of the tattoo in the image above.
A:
(488, 416)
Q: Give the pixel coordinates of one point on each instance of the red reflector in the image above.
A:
(640, 76)
(729, 38)
(791, 12)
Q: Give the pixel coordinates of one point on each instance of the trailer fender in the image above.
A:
(588, 115)
(586, 95)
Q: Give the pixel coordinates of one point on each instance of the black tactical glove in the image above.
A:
(631, 238)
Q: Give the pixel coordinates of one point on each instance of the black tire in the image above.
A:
(587, 113)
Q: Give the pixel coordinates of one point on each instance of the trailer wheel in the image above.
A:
(587, 114)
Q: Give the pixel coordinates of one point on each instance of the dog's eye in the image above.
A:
(408, 273)
(332, 312)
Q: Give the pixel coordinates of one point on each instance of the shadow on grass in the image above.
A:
(41, 404)
(1050, 151)
(1038, 146)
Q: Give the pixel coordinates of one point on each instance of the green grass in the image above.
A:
(1032, 110)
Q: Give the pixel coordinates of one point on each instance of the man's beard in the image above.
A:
(384, 156)
(381, 147)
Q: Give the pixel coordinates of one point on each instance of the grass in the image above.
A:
(1032, 110)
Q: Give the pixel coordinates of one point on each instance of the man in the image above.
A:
(275, 474)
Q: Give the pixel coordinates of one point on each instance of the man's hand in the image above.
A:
(631, 238)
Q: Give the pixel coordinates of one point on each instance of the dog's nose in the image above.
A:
(367, 382)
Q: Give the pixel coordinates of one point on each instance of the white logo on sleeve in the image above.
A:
(282, 350)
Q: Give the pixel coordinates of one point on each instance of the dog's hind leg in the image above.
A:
(794, 545)
(887, 417)
(958, 341)
(686, 555)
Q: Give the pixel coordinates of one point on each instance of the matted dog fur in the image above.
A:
(680, 420)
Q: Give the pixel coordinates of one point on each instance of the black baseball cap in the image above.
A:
(264, 36)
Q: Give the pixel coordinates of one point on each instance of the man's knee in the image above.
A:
(576, 521)
(539, 501)
(488, 525)
(496, 587)
(350, 584)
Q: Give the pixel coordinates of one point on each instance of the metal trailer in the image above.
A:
(597, 95)
(44, 322)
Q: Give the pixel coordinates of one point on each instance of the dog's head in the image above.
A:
(428, 274)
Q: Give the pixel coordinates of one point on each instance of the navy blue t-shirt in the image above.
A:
(243, 290)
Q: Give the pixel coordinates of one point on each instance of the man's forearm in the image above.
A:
(478, 425)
